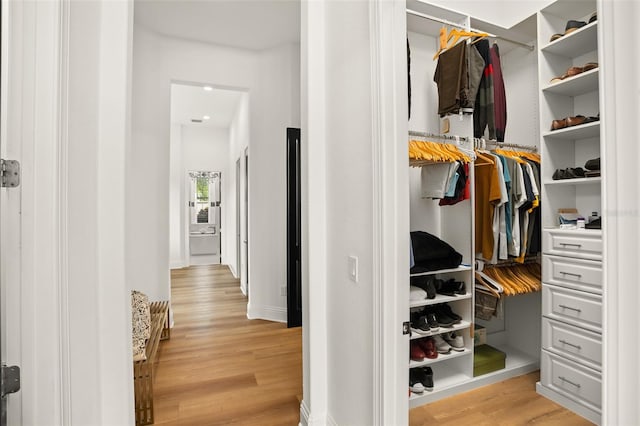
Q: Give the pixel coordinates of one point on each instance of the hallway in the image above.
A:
(219, 368)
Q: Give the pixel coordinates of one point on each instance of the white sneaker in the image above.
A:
(455, 340)
(441, 346)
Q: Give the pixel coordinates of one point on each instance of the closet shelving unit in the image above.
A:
(453, 373)
(571, 355)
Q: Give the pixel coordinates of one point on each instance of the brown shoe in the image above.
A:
(559, 124)
(575, 121)
(589, 66)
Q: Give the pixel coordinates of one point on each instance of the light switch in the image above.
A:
(353, 268)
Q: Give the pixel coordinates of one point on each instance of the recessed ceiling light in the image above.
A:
(205, 117)
(208, 88)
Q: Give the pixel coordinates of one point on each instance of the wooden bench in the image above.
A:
(143, 376)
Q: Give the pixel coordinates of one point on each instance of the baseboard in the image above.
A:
(570, 404)
(308, 419)
(178, 264)
(269, 313)
(232, 269)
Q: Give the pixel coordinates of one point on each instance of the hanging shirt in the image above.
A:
(499, 96)
(488, 194)
(498, 222)
(518, 197)
(505, 212)
(484, 115)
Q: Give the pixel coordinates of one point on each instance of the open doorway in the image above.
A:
(206, 138)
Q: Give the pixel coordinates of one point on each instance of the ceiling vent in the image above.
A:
(196, 120)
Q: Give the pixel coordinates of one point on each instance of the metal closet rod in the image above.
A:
(438, 136)
(509, 145)
(454, 24)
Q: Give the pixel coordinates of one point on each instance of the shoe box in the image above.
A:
(487, 359)
(479, 335)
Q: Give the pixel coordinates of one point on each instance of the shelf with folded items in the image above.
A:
(462, 325)
(576, 43)
(577, 181)
(577, 85)
(583, 131)
(441, 357)
(440, 298)
(460, 268)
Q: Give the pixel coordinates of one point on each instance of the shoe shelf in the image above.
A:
(574, 86)
(583, 131)
(441, 357)
(460, 326)
(460, 268)
(576, 43)
(577, 181)
(440, 298)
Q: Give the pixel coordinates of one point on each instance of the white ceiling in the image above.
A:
(247, 24)
(193, 102)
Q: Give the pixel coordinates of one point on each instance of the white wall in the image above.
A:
(177, 203)
(271, 80)
(349, 214)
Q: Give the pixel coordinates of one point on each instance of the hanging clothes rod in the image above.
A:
(506, 145)
(454, 24)
(434, 135)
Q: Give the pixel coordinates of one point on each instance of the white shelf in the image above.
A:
(461, 326)
(443, 271)
(576, 43)
(441, 358)
(577, 85)
(438, 299)
(583, 131)
(448, 382)
(574, 232)
(578, 181)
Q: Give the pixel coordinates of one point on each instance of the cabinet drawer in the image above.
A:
(578, 274)
(572, 342)
(579, 383)
(574, 307)
(582, 244)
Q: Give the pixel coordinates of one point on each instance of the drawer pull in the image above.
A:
(571, 274)
(570, 308)
(571, 245)
(564, 342)
(570, 382)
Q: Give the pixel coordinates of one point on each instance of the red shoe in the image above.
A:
(416, 353)
(428, 346)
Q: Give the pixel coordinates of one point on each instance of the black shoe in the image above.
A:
(452, 287)
(427, 284)
(431, 319)
(446, 309)
(416, 377)
(419, 325)
(428, 376)
(441, 317)
(594, 224)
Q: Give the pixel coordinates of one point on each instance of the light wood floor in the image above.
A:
(221, 369)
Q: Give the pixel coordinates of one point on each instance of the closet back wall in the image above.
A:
(272, 79)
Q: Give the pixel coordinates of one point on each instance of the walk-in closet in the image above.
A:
(502, 304)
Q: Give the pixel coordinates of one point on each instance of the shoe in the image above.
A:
(416, 293)
(559, 124)
(454, 340)
(446, 309)
(593, 164)
(452, 287)
(428, 346)
(594, 17)
(573, 25)
(441, 346)
(589, 66)
(426, 283)
(415, 352)
(415, 382)
(428, 376)
(431, 288)
(431, 320)
(443, 319)
(575, 121)
(594, 224)
(419, 325)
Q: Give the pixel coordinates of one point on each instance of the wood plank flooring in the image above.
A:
(219, 368)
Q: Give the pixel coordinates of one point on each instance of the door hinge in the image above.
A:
(406, 328)
(10, 173)
(10, 380)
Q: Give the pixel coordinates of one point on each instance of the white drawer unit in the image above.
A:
(572, 343)
(572, 380)
(578, 274)
(574, 307)
(583, 244)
